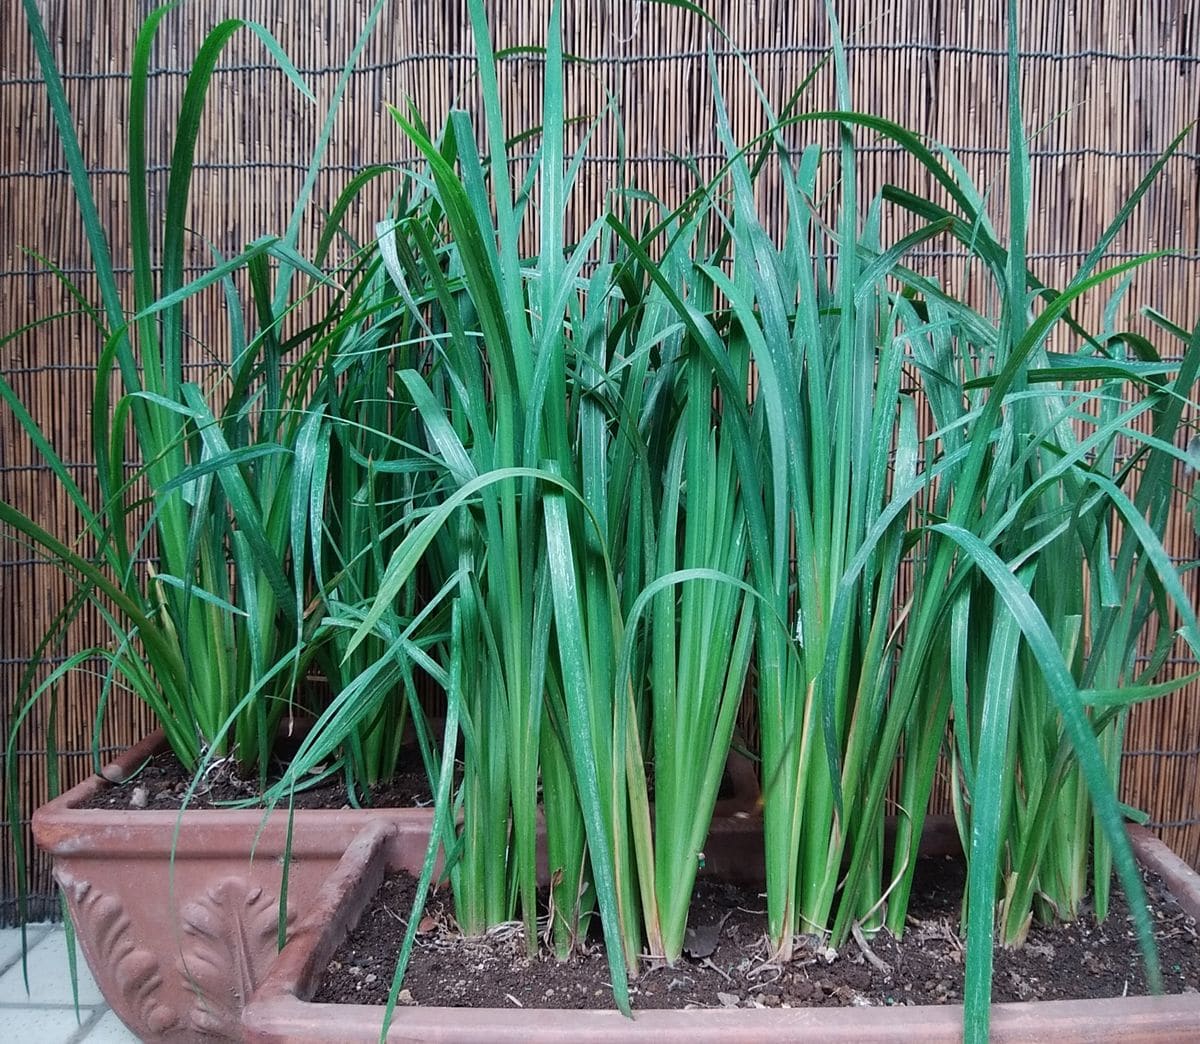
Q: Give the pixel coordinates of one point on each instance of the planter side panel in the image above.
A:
(178, 917)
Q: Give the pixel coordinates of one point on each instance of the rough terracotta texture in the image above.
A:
(178, 945)
(179, 923)
(280, 1011)
(1183, 881)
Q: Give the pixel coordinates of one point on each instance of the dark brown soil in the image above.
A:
(1080, 960)
(163, 783)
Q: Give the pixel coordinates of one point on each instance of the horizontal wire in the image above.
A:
(1177, 256)
(363, 69)
(612, 160)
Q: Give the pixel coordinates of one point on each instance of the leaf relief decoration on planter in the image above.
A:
(230, 934)
(130, 974)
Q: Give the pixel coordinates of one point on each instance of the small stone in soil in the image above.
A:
(113, 773)
(701, 942)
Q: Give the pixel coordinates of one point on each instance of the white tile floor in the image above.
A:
(46, 1013)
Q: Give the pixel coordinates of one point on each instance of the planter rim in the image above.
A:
(61, 827)
(1123, 1019)
(277, 1012)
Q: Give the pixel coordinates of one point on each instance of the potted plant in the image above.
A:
(178, 911)
(778, 523)
(539, 511)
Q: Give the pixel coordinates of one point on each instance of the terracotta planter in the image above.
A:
(178, 920)
(281, 1012)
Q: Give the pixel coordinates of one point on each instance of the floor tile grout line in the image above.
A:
(82, 1032)
(30, 944)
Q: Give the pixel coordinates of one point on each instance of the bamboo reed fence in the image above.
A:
(1107, 86)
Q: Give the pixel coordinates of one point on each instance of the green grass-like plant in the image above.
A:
(608, 494)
